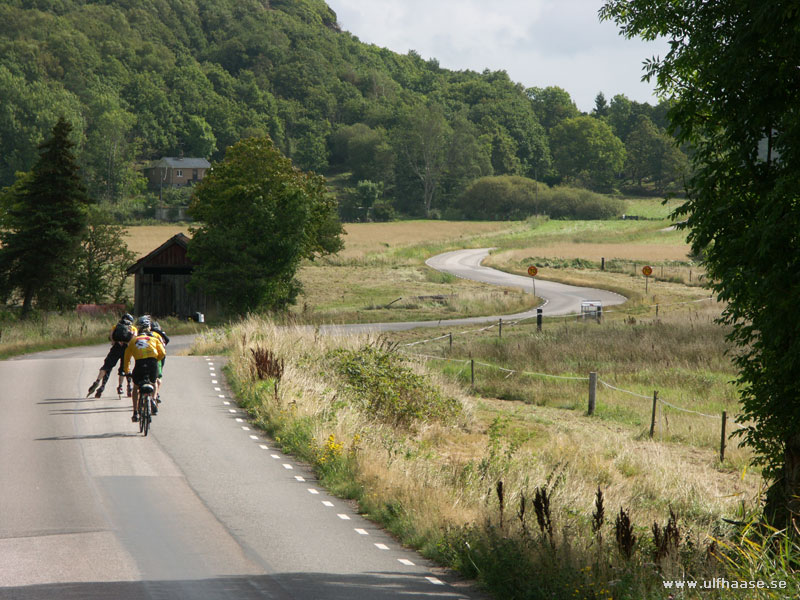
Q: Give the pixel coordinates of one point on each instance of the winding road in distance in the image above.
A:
(204, 508)
(559, 298)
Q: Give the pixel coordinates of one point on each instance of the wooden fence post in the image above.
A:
(722, 437)
(472, 371)
(653, 417)
(500, 329)
(451, 342)
(592, 391)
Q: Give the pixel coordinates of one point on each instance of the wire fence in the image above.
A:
(500, 324)
(657, 402)
(669, 272)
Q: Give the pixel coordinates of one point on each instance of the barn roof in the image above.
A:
(170, 253)
(177, 162)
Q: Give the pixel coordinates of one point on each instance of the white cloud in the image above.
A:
(538, 42)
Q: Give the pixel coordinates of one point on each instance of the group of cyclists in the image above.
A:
(143, 341)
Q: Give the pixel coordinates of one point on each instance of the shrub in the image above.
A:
(385, 388)
(501, 198)
(516, 198)
(575, 203)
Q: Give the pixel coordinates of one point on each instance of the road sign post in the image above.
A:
(647, 270)
(532, 271)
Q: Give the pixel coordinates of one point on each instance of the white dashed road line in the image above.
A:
(313, 491)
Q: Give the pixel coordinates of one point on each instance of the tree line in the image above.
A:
(152, 78)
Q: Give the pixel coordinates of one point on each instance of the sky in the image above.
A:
(539, 43)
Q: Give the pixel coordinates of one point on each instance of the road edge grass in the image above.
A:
(34, 347)
(60, 331)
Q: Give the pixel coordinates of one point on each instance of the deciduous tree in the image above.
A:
(552, 105)
(585, 150)
(423, 140)
(99, 272)
(259, 216)
(732, 70)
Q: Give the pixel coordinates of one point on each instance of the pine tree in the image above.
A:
(43, 226)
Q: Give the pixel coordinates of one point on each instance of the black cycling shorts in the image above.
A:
(117, 353)
(146, 368)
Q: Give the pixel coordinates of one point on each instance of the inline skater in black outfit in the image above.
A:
(120, 335)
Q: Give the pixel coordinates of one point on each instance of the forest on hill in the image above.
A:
(396, 134)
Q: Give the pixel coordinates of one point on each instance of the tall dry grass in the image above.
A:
(682, 355)
(46, 331)
(436, 485)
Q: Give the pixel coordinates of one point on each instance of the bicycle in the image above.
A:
(146, 401)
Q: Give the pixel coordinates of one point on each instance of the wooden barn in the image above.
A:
(160, 281)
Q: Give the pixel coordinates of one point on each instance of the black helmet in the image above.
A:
(143, 323)
(127, 317)
(155, 326)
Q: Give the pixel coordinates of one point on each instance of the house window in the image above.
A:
(194, 174)
(179, 173)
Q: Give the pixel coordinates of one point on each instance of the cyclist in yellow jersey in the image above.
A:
(156, 329)
(146, 349)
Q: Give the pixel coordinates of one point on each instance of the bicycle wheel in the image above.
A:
(141, 416)
(146, 415)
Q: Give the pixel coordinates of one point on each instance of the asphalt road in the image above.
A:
(559, 299)
(202, 508)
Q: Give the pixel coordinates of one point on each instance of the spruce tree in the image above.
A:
(43, 226)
